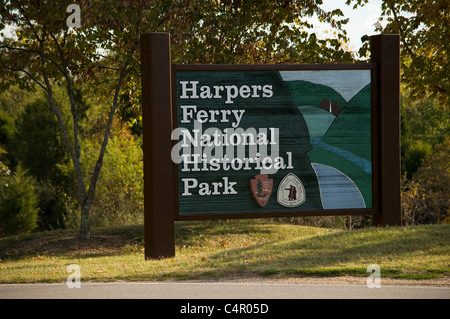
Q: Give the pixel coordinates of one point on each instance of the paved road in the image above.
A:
(214, 290)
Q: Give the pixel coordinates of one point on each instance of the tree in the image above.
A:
(424, 125)
(245, 32)
(235, 31)
(18, 204)
(7, 131)
(425, 197)
(423, 26)
(119, 195)
(36, 144)
(103, 51)
(38, 148)
(48, 52)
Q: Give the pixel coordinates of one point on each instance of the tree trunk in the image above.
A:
(85, 225)
(85, 197)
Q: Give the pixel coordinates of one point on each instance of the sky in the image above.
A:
(361, 21)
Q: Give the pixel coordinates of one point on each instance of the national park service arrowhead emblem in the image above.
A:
(291, 192)
(261, 187)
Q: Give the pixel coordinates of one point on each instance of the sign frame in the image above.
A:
(161, 207)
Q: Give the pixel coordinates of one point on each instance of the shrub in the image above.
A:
(38, 147)
(18, 204)
(52, 208)
(415, 154)
(425, 197)
(119, 197)
(37, 144)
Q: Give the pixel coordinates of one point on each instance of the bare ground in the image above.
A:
(66, 243)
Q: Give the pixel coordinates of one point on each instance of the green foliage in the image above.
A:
(6, 128)
(18, 204)
(425, 151)
(254, 32)
(425, 197)
(37, 144)
(13, 100)
(46, 53)
(39, 149)
(423, 26)
(426, 120)
(7, 132)
(52, 207)
(415, 153)
(4, 170)
(211, 32)
(119, 196)
(424, 124)
(202, 31)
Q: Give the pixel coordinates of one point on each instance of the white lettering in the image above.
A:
(73, 20)
(191, 90)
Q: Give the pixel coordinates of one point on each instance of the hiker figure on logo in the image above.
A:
(292, 192)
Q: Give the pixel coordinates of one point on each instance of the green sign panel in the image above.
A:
(272, 141)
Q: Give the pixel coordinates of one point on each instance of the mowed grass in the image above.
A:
(223, 249)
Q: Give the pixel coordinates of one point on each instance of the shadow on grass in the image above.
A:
(103, 242)
(336, 254)
(302, 252)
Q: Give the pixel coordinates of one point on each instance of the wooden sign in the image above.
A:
(246, 141)
(307, 129)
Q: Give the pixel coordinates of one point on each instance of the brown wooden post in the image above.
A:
(385, 52)
(158, 170)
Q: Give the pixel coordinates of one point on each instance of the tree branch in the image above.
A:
(73, 106)
(400, 31)
(26, 72)
(28, 21)
(72, 152)
(33, 51)
(94, 178)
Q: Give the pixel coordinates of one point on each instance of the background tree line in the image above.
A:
(70, 123)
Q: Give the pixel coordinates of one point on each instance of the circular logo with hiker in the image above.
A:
(291, 192)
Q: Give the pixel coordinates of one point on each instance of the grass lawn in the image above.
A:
(220, 249)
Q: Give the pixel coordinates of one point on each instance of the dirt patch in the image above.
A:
(67, 244)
